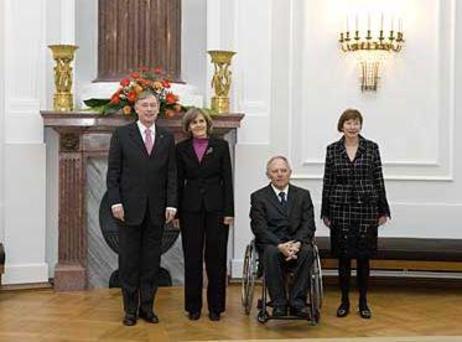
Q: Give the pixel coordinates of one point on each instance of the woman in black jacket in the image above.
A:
(354, 204)
(206, 209)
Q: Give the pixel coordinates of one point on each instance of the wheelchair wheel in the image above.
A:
(262, 316)
(317, 279)
(316, 289)
(248, 277)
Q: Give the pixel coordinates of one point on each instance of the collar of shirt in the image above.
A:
(142, 128)
(277, 191)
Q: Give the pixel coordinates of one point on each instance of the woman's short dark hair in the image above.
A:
(348, 115)
(191, 115)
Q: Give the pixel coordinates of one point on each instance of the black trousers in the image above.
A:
(362, 277)
(139, 262)
(204, 235)
(275, 268)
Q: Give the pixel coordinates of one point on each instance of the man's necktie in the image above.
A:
(148, 141)
(282, 198)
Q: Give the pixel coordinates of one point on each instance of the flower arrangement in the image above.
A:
(123, 100)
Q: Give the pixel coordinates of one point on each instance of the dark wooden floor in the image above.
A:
(43, 315)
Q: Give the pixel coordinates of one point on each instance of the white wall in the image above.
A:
(2, 115)
(290, 47)
(23, 176)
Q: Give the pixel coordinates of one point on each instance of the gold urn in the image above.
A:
(63, 55)
(221, 80)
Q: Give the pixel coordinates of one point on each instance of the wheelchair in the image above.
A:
(253, 270)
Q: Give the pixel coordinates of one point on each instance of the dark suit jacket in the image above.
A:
(272, 224)
(208, 181)
(360, 181)
(137, 179)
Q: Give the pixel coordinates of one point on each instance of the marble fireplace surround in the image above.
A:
(84, 135)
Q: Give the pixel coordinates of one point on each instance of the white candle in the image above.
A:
(347, 26)
(392, 23)
(369, 21)
(400, 28)
(381, 22)
(356, 23)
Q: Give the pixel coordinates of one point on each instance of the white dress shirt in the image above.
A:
(143, 129)
(277, 191)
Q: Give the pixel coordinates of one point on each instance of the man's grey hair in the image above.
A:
(147, 93)
(272, 159)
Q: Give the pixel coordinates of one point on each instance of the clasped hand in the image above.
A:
(290, 249)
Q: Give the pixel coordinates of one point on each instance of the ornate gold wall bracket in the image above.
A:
(63, 100)
(221, 80)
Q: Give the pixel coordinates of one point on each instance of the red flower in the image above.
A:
(131, 96)
(124, 82)
(166, 84)
(171, 98)
(144, 68)
(135, 75)
(115, 98)
(158, 70)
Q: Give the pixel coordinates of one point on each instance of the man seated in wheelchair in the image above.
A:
(282, 220)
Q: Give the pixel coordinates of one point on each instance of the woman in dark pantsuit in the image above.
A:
(354, 204)
(206, 210)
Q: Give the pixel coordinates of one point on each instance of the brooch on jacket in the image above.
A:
(209, 150)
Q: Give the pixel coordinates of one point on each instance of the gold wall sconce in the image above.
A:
(371, 50)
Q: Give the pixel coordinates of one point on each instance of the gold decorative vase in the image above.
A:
(221, 80)
(63, 55)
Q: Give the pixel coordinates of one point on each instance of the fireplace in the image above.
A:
(83, 145)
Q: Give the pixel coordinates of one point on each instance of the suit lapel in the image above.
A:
(158, 141)
(361, 147)
(209, 151)
(136, 137)
(291, 199)
(274, 200)
(189, 150)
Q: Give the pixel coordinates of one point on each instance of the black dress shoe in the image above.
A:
(129, 320)
(343, 310)
(214, 316)
(194, 316)
(364, 311)
(301, 312)
(149, 317)
(279, 311)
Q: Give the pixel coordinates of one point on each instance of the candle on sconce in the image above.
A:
(392, 23)
(381, 22)
(368, 21)
(400, 25)
(347, 25)
(356, 23)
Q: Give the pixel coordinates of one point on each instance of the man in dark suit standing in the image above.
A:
(282, 220)
(141, 182)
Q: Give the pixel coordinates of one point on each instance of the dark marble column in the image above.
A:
(134, 33)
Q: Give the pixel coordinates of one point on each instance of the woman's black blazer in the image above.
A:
(208, 182)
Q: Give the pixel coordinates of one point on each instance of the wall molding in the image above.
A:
(25, 273)
(439, 169)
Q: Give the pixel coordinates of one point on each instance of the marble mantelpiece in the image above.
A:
(82, 136)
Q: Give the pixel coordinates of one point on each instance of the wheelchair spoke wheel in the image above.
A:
(262, 316)
(248, 278)
(318, 286)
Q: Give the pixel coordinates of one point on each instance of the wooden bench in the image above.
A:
(408, 257)
(2, 262)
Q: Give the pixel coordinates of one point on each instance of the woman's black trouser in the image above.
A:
(204, 236)
(362, 277)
